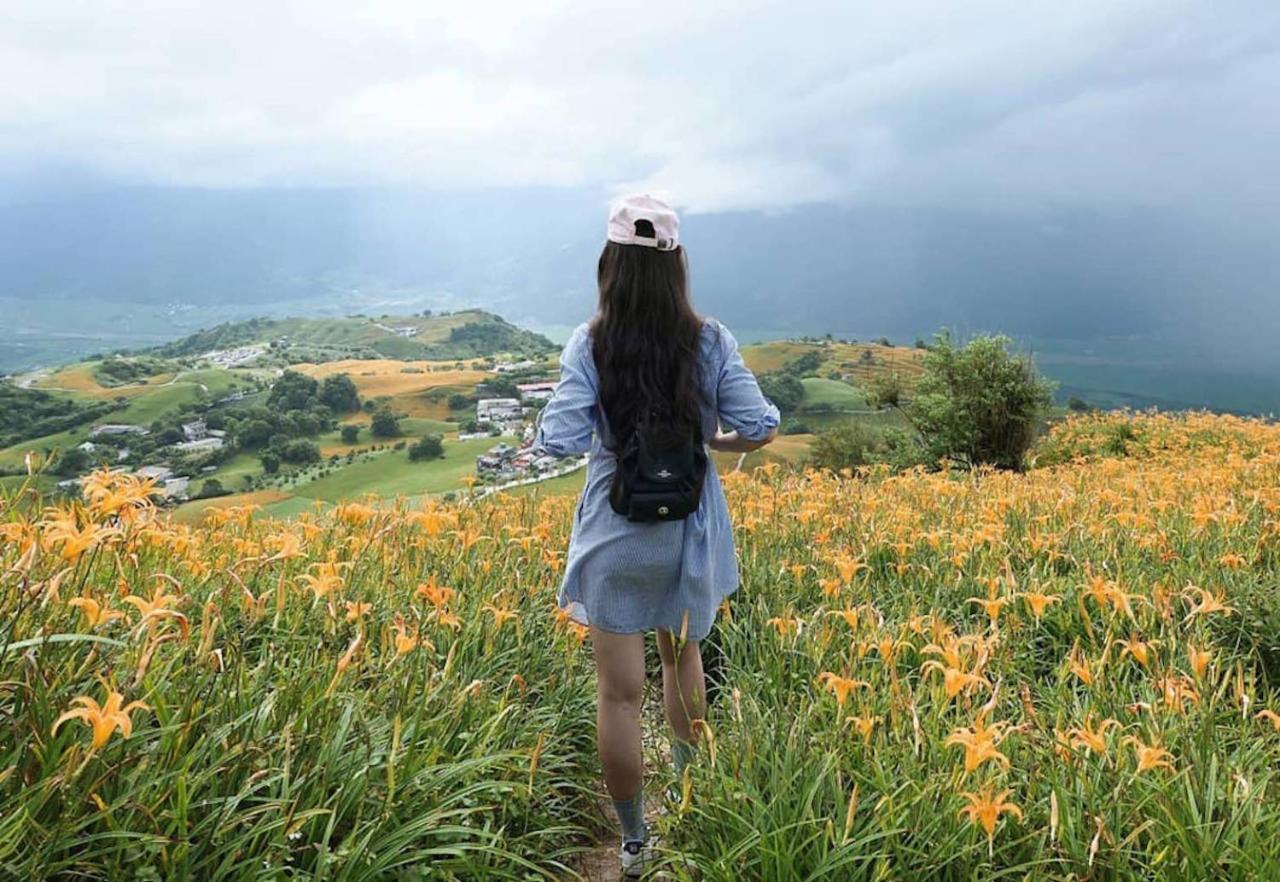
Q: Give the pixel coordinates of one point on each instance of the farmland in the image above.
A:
(380, 356)
(856, 363)
(1068, 673)
(178, 381)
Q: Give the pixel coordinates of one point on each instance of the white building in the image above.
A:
(159, 472)
(536, 391)
(492, 410)
(117, 429)
(194, 431)
(506, 367)
(202, 444)
(175, 487)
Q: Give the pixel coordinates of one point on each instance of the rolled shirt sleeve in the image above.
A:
(742, 405)
(568, 419)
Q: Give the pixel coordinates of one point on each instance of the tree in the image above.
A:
(805, 365)
(886, 390)
(1076, 404)
(499, 387)
(71, 462)
(851, 444)
(458, 401)
(293, 391)
(210, 488)
(784, 390)
(270, 463)
(385, 424)
(979, 403)
(300, 451)
(339, 394)
(427, 447)
(350, 433)
(846, 445)
(254, 433)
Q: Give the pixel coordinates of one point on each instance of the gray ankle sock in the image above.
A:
(631, 818)
(682, 753)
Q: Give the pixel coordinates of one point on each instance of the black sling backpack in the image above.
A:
(658, 478)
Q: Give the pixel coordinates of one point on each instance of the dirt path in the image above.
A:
(600, 865)
(601, 862)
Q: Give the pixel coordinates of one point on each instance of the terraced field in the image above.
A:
(858, 363)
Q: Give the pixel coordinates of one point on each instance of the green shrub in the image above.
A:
(385, 424)
(427, 447)
(852, 444)
(784, 390)
(299, 451)
(979, 403)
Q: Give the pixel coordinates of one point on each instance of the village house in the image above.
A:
(159, 472)
(175, 488)
(195, 431)
(536, 391)
(506, 367)
(210, 443)
(495, 458)
(494, 410)
(118, 429)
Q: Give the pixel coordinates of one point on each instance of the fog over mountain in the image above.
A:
(1061, 172)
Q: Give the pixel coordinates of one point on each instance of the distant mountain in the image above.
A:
(93, 270)
(470, 333)
(530, 254)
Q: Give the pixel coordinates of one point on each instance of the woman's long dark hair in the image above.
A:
(645, 337)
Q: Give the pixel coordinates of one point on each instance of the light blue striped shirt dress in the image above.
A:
(629, 577)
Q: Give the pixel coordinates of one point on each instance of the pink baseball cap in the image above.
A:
(643, 220)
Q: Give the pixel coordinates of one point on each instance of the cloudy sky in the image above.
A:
(750, 105)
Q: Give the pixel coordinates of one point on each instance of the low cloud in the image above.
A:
(763, 105)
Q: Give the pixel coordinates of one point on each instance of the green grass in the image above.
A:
(12, 456)
(560, 486)
(217, 381)
(819, 391)
(232, 472)
(290, 508)
(390, 473)
(416, 427)
(45, 484)
(883, 418)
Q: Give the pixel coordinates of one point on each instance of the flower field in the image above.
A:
(1064, 674)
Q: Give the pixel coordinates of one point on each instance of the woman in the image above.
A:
(646, 349)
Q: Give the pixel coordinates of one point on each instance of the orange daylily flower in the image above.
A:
(841, 686)
(1150, 756)
(985, 809)
(103, 719)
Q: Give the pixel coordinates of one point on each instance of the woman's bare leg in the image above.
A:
(683, 686)
(620, 682)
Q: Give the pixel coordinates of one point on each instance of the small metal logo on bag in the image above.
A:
(663, 510)
(664, 474)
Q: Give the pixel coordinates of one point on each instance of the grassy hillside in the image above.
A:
(459, 335)
(444, 356)
(836, 394)
(854, 363)
(1064, 674)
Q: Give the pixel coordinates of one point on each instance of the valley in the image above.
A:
(187, 412)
